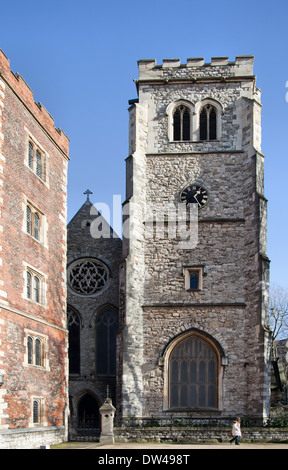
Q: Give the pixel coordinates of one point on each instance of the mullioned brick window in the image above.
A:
(33, 222)
(38, 417)
(35, 286)
(36, 349)
(37, 160)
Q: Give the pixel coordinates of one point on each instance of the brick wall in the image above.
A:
(45, 255)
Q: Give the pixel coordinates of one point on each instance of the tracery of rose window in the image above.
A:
(87, 276)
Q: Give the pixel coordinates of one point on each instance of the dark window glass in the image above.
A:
(203, 125)
(212, 124)
(192, 372)
(177, 125)
(35, 411)
(74, 342)
(106, 329)
(181, 123)
(38, 352)
(194, 281)
(208, 123)
(30, 349)
(186, 124)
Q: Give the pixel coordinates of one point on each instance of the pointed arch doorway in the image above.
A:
(88, 416)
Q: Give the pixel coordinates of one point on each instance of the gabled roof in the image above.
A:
(89, 216)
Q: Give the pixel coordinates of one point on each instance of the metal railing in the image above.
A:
(172, 421)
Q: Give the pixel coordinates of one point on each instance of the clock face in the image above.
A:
(194, 194)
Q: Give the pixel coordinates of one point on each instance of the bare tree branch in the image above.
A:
(278, 315)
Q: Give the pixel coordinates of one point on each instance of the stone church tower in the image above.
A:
(193, 284)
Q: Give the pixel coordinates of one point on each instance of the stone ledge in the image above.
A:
(32, 430)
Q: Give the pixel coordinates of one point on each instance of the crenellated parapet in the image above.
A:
(196, 68)
(25, 94)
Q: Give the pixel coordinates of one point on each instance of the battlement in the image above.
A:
(25, 94)
(196, 68)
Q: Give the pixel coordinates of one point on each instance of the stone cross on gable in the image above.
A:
(88, 192)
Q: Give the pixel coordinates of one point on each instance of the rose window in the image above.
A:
(87, 276)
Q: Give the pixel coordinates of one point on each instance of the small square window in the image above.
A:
(193, 277)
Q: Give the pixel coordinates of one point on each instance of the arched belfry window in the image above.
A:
(106, 329)
(208, 122)
(180, 120)
(181, 123)
(193, 375)
(74, 341)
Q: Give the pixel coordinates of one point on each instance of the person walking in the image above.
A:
(236, 432)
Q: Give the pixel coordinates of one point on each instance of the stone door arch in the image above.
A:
(88, 415)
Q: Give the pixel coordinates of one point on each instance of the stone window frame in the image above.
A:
(208, 125)
(43, 339)
(190, 269)
(31, 161)
(183, 127)
(42, 236)
(196, 124)
(39, 401)
(170, 110)
(164, 361)
(195, 111)
(35, 274)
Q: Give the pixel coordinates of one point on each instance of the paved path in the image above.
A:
(163, 446)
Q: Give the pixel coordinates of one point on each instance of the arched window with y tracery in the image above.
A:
(181, 123)
(208, 122)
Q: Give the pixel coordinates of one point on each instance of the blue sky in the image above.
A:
(80, 59)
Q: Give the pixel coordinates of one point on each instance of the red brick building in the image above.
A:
(33, 334)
